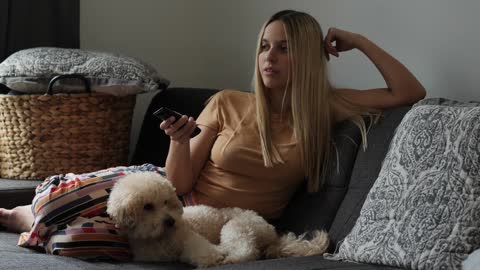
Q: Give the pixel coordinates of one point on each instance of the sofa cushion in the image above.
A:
(365, 171)
(423, 211)
(310, 211)
(14, 257)
(301, 263)
(446, 102)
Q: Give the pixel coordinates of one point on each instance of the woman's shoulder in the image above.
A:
(235, 96)
(233, 93)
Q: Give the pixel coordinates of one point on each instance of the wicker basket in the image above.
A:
(43, 135)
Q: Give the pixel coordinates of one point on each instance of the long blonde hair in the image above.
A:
(311, 98)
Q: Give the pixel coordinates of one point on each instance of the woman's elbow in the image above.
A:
(419, 93)
(182, 190)
(416, 92)
(181, 187)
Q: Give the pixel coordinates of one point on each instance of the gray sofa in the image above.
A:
(335, 208)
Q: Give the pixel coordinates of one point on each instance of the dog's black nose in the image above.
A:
(169, 222)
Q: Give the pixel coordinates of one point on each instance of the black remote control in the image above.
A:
(164, 113)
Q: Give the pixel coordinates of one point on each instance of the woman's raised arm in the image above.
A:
(402, 86)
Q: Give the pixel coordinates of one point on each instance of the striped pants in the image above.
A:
(70, 215)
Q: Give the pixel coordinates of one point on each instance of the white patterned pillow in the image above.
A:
(30, 71)
(423, 212)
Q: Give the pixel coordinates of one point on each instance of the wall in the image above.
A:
(211, 43)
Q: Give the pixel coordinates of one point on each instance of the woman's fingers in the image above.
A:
(182, 129)
(167, 123)
(329, 39)
(170, 126)
(331, 50)
(185, 136)
(338, 40)
(180, 122)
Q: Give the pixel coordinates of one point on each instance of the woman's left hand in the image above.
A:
(344, 41)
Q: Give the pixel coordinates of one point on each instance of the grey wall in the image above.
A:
(211, 43)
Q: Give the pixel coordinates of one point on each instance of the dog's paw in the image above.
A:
(215, 257)
(241, 256)
(232, 259)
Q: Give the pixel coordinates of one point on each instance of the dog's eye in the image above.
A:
(148, 207)
(165, 202)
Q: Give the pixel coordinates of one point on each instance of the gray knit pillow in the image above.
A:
(30, 71)
(423, 212)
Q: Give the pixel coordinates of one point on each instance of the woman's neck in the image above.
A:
(277, 102)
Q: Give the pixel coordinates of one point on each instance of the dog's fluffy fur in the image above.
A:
(160, 229)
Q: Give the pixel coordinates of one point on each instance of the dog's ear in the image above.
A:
(122, 211)
(174, 202)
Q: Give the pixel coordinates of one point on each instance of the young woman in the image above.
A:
(255, 149)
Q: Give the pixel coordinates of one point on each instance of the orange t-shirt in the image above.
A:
(234, 174)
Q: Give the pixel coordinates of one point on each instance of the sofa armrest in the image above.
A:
(16, 192)
(153, 144)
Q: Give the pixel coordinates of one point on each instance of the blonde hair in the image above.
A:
(311, 98)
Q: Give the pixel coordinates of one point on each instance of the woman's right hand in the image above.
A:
(179, 131)
(344, 41)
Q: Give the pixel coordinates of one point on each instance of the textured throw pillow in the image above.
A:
(30, 70)
(423, 212)
(446, 102)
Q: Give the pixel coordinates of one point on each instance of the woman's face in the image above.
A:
(273, 61)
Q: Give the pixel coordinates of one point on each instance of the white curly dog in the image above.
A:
(161, 229)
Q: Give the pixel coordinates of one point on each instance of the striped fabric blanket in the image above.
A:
(70, 215)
